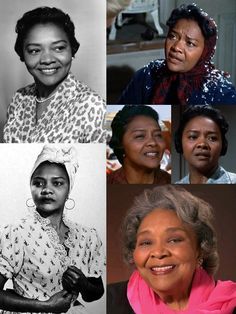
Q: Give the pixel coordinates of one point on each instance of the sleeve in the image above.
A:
(89, 253)
(11, 251)
(94, 122)
(224, 93)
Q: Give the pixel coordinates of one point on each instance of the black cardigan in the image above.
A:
(117, 302)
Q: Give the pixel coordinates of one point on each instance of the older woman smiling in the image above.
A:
(169, 239)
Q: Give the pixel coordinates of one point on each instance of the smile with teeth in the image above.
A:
(152, 154)
(48, 71)
(162, 270)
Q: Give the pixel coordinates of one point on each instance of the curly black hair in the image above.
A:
(205, 111)
(44, 15)
(193, 12)
(120, 122)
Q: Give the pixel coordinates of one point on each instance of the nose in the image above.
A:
(151, 141)
(46, 190)
(47, 57)
(202, 144)
(177, 46)
(159, 252)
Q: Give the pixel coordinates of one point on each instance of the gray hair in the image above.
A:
(192, 210)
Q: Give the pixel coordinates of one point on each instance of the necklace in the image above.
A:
(44, 99)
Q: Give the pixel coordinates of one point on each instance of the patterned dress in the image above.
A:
(32, 256)
(74, 115)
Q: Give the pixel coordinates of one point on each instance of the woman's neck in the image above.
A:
(198, 177)
(138, 175)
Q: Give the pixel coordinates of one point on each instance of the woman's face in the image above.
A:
(143, 143)
(184, 46)
(49, 188)
(202, 144)
(166, 253)
(47, 54)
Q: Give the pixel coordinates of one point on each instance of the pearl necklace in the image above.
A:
(45, 99)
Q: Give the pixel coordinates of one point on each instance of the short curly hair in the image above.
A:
(193, 12)
(193, 211)
(204, 111)
(121, 121)
(44, 15)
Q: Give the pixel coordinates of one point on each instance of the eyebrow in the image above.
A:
(53, 43)
(168, 230)
(42, 178)
(189, 38)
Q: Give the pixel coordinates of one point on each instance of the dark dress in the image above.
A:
(118, 177)
(216, 90)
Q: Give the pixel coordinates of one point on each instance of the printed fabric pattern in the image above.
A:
(75, 115)
(34, 259)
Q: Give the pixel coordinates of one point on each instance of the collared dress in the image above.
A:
(220, 176)
(74, 115)
(33, 258)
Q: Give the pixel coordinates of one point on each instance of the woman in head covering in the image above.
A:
(139, 146)
(56, 108)
(169, 239)
(187, 75)
(201, 139)
(50, 259)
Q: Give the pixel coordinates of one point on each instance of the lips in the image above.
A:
(48, 71)
(152, 154)
(202, 155)
(47, 200)
(173, 58)
(162, 270)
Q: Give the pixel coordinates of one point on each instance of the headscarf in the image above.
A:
(176, 88)
(65, 155)
(206, 296)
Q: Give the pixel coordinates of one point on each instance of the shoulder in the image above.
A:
(184, 180)
(217, 89)
(162, 177)
(116, 176)
(117, 301)
(83, 92)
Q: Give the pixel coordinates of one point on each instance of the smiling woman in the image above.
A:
(201, 138)
(57, 107)
(171, 245)
(138, 143)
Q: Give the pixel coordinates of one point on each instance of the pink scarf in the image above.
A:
(206, 297)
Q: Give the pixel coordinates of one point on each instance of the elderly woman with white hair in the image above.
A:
(49, 259)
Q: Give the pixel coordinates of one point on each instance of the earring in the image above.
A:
(71, 204)
(72, 58)
(30, 203)
(200, 262)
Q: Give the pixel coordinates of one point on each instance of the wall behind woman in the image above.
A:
(16, 164)
(90, 60)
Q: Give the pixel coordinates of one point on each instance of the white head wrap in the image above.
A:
(65, 155)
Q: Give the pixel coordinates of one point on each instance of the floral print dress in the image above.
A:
(32, 256)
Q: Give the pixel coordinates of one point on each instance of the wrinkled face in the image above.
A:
(143, 143)
(47, 54)
(49, 188)
(184, 46)
(166, 253)
(202, 144)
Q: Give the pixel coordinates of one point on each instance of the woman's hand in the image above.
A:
(73, 280)
(60, 302)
